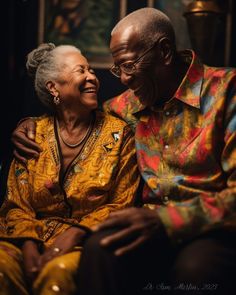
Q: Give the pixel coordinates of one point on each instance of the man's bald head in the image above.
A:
(150, 24)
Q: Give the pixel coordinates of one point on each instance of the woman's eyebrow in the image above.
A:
(80, 67)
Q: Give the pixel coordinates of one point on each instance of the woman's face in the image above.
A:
(78, 84)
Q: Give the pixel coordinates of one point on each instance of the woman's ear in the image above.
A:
(166, 50)
(51, 87)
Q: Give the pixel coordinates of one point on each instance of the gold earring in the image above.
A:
(56, 100)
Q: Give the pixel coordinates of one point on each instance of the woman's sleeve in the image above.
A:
(19, 216)
(125, 185)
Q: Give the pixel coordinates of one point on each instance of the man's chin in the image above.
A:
(140, 96)
(146, 101)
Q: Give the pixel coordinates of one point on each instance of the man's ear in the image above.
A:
(51, 87)
(166, 50)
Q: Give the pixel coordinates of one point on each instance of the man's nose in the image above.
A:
(125, 78)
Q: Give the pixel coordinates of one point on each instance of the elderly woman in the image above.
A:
(87, 169)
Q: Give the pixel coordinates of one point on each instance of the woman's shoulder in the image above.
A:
(113, 120)
(43, 121)
(114, 126)
(44, 124)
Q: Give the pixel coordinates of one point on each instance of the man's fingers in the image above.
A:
(25, 138)
(19, 157)
(121, 236)
(31, 134)
(31, 129)
(25, 142)
(109, 223)
(27, 152)
(131, 246)
(115, 219)
(122, 213)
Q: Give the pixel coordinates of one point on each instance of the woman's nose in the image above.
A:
(90, 76)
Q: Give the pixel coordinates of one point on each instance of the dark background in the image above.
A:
(19, 28)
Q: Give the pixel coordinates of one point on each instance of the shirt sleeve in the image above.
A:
(19, 217)
(125, 185)
(209, 210)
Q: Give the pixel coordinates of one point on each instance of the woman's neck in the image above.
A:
(71, 119)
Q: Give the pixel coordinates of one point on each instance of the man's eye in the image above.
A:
(127, 66)
(81, 71)
(91, 71)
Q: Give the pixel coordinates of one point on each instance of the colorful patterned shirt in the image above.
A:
(187, 149)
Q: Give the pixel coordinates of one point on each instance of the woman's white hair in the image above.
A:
(44, 64)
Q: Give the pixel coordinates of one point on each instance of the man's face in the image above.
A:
(140, 76)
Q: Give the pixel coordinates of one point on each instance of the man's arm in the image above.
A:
(23, 139)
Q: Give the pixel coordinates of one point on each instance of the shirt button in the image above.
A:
(165, 199)
(179, 241)
(55, 288)
(166, 146)
(167, 113)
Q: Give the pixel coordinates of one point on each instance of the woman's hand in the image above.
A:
(64, 243)
(31, 258)
(23, 139)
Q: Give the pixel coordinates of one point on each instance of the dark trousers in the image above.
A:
(206, 265)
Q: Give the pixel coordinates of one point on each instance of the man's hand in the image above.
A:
(31, 258)
(23, 139)
(134, 227)
(64, 243)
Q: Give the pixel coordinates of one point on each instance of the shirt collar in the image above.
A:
(189, 91)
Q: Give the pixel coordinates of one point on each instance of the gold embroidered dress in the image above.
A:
(102, 178)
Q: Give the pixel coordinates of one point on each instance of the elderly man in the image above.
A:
(184, 120)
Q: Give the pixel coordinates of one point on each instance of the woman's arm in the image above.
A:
(20, 217)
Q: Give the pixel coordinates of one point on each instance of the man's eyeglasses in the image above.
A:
(129, 67)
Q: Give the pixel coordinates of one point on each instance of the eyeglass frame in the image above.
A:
(133, 63)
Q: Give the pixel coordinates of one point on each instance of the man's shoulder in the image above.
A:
(222, 73)
(123, 104)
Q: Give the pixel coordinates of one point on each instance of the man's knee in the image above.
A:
(204, 262)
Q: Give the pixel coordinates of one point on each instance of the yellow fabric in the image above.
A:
(11, 272)
(56, 277)
(102, 178)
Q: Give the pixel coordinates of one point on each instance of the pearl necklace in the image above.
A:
(74, 145)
